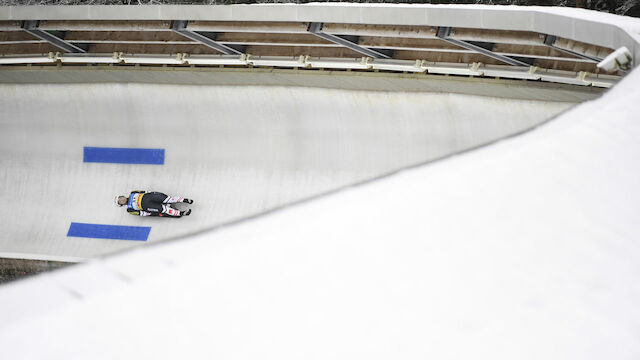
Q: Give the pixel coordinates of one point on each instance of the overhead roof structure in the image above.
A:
(534, 43)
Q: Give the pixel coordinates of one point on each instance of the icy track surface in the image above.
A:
(525, 249)
(237, 151)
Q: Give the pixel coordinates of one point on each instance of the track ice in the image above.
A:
(523, 249)
(237, 151)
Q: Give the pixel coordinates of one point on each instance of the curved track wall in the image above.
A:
(237, 150)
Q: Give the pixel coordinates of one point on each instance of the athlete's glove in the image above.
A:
(188, 201)
(185, 213)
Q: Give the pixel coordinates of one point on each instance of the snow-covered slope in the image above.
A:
(525, 249)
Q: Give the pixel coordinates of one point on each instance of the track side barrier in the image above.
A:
(363, 63)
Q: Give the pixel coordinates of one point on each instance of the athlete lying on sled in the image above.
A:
(152, 203)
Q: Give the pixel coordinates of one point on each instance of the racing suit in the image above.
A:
(153, 203)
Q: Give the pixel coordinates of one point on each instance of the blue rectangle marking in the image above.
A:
(124, 155)
(115, 232)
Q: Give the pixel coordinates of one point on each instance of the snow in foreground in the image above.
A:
(524, 249)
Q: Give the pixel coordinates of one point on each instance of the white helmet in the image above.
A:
(116, 200)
